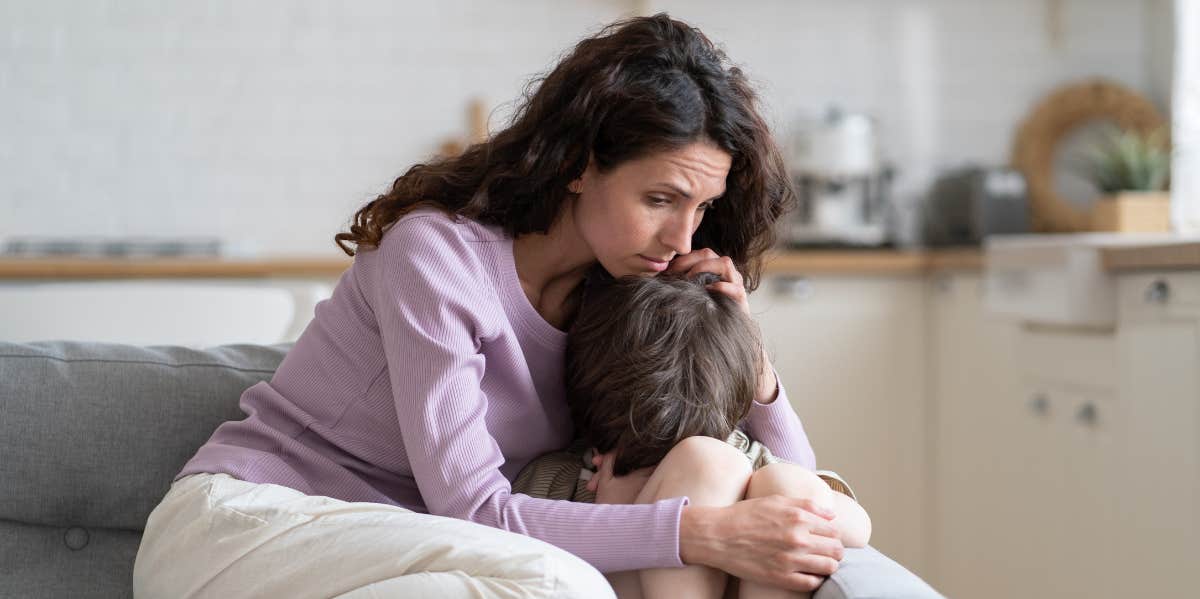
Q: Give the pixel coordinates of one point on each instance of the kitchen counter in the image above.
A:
(1183, 255)
(881, 262)
(159, 268)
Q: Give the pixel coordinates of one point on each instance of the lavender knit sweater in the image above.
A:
(428, 381)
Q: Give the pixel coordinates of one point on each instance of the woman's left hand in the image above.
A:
(732, 285)
(706, 260)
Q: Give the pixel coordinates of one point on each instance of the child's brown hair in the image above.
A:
(651, 361)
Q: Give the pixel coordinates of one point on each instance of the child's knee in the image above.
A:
(708, 456)
(707, 462)
(791, 480)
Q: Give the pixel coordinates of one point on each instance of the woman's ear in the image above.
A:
(576, 186)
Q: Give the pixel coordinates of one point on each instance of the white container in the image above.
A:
(840, 145)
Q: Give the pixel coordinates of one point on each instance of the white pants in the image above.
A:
(216, 536)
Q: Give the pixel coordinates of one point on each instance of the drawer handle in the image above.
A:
(1087, 414)
(1158, 292)
(1039, 403)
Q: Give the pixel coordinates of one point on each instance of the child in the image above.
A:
(651, 361)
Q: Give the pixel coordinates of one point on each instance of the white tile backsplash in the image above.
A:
(273, 121)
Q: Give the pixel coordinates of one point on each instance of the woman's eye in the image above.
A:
(657, 201)
(703, 207)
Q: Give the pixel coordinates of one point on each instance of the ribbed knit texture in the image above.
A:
(428, 381)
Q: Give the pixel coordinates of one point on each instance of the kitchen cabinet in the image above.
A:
(1065, 418)
(1159, 470)
(1066, 505)
(1067, 460)
(191, 312)
(164, 301)
(851, 353)
(977, 481)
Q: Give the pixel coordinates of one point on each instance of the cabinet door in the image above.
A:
(1083, 557)
(981, 459)
(1025, 450)
(851, 353)
(1156, 532)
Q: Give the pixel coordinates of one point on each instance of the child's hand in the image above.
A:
(616, 489)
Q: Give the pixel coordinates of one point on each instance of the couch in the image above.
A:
(91, 435)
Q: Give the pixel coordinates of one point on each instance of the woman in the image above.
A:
(434, 373)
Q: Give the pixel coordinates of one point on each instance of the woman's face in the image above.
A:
(640, 215)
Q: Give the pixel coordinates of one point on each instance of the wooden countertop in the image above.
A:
(100, 268)
(1184, 255)
(880, 262)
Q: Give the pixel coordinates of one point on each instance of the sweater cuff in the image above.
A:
(665, 539)
(780, 395)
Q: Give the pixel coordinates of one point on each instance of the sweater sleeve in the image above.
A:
(428, 296)
(777, 426)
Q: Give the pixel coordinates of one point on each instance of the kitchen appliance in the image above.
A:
(843, 188)
(968, 204)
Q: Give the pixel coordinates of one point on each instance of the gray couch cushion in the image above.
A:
(868, 574)
(91, 435)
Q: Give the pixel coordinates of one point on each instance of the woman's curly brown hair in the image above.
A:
(639, 86)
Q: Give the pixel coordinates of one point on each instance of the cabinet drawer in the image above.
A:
(1075, 357)
(1159, 294)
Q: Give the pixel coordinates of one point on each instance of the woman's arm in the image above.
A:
(426, 290)
(777, 426)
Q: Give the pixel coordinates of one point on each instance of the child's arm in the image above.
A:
(615, 489)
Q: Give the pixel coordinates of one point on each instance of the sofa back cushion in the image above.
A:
(91, 434)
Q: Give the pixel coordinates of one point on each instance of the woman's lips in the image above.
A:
(655, 265)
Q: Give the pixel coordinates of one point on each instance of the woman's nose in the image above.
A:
(677, 234)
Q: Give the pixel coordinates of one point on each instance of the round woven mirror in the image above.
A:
(1051, 122)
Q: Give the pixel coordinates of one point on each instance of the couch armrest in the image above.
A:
(865, 573)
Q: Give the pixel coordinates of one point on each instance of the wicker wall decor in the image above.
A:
(1050, 122)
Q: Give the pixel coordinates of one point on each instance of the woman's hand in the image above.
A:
(706, 260)
(776, 540)
(616, 489)
(732, 285)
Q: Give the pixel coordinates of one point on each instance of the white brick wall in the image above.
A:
(273, 120)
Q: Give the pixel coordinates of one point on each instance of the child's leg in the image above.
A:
(627, 584)
(792, 481)
(709, 472)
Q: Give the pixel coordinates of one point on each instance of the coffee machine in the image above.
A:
(843, 187)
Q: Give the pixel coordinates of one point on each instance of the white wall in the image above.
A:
(1185, 126)
(948, 80)
(271, 121)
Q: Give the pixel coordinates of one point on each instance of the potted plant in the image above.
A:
(1132, 169)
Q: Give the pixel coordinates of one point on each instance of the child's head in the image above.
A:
(653, 360)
